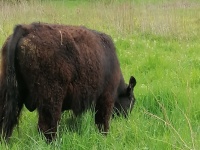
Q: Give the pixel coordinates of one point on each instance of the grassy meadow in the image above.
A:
(157, 41)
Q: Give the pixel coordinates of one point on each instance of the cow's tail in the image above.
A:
(13, 105)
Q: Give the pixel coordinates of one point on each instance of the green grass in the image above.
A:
(157, 42)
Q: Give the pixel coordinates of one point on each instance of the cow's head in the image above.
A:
(126, 99)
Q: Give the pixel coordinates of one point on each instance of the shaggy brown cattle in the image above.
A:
(53, 68)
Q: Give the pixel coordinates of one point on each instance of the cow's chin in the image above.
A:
(120, 110)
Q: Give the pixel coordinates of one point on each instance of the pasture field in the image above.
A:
(157, 41)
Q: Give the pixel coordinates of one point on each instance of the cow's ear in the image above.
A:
(132, 83)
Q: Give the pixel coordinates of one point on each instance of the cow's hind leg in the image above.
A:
(103, 111)
(48, 120)
(50, 110)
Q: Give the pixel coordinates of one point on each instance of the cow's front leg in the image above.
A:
(103, 111)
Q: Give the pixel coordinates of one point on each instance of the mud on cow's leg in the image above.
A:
(103, 111)
(49, 117)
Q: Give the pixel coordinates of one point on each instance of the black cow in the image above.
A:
(53, 68)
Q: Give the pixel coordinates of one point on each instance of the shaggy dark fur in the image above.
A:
(53, 68)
